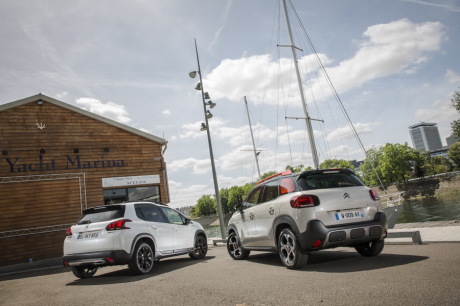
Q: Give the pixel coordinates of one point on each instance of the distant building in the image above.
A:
(451, 140)
(425, 136)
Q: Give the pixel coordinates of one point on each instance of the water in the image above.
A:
(440, 208)
(213, 231)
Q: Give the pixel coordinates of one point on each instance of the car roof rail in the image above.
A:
(287, 172)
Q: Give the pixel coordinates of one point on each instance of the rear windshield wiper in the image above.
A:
(84, 222)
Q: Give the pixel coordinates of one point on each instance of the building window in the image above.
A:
(120, 195)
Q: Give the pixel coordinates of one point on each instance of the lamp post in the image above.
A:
(205, 126)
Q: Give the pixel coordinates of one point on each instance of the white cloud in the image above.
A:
(227, 182)
(452, 77)
(181, 196)
(198, 166)
(441, 111)
(387, 49)
(346, 132)
(256, 77)
(110, 110)
(166, 112)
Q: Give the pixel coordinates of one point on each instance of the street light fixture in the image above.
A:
(205, 127)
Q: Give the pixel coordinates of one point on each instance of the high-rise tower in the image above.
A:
(425, 136)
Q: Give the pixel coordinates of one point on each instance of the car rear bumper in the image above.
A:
(348, 235)
(101, 258)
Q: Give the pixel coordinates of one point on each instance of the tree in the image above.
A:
(437, 164)
(456, 124)
(205, 206)
(267, 174)
(336, 163)
(223, 201)
(393, 163)
(369, 169)
(297, 168)
(236, 194)
(454, 154)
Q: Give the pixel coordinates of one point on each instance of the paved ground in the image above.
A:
(402, 275)
(430, 232)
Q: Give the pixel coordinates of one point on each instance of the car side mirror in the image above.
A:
(187, 221)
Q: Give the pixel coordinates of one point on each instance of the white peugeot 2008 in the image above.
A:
(137, 234)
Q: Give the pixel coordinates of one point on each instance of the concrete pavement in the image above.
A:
(430, 232)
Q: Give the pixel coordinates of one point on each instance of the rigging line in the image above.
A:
(270, 47)
(337, 97)
(289, 140)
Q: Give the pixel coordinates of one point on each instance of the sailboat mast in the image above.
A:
(252, 137)
(314, 153)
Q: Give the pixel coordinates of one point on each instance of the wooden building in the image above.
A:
(56, 160)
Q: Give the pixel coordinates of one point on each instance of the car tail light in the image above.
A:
(374, 195)
(68, 232)
(117, 225)
(302, 200)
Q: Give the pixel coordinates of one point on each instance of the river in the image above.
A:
(440, 208)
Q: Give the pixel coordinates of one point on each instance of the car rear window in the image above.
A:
(102, 213)
(328, 180)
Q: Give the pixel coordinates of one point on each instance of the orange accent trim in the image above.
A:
(287, 172)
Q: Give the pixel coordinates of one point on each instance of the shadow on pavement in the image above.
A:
(340, 261)
(125, 276)
(34, 273)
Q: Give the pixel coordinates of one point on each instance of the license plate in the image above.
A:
(350, 214)
(87, 235)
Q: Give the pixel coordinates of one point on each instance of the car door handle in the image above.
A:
(251, 216)
(153, 226)
(271, 211)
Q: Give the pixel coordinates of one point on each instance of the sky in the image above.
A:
(393, 63)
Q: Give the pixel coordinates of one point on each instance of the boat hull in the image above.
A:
(392, 214)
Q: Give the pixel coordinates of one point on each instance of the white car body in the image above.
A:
(112, 234)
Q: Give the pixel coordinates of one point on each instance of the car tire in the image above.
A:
(289, 250)
(234, 248)
(84, 272)
(143, 258)
(201, 248)
(372, 248)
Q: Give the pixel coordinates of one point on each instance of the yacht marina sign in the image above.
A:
(69, 162)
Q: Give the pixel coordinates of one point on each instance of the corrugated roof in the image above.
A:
(82, 112)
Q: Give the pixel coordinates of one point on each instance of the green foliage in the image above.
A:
(267, 174)
(297, 168)
(393, 163)
(437, 165)
(455, 125)
(237, 194)
(205, 206)
(454, 154)
(336, 163)
(223, 201)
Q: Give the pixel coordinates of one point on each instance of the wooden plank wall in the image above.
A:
(35, 203)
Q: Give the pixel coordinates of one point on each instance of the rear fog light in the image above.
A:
(110, 260)
(316, 244)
